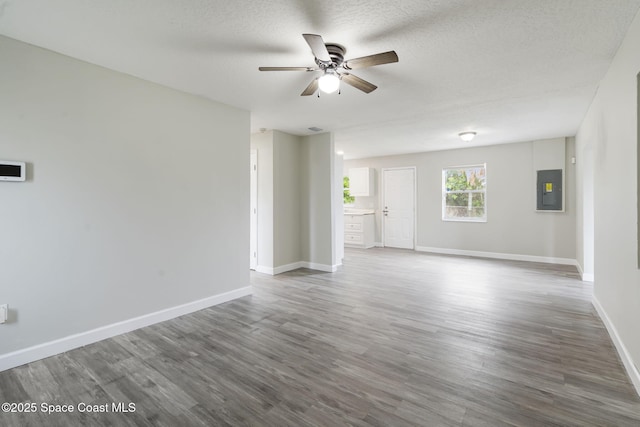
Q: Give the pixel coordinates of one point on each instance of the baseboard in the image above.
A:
(321, 267)
(288, 267)
(627, 361)
(295, 265)
(51, 348)
(586, 277)
(265, 270)
(497, 255)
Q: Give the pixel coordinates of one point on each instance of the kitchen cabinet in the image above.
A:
(359, 230)
(362, 182)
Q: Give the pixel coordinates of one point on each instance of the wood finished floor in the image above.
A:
(395, 338)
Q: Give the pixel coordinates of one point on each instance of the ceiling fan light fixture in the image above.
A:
(329, 82)
(329, 58)
(467, 136)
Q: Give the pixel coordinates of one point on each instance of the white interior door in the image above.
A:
(253, 205)
(398, 207)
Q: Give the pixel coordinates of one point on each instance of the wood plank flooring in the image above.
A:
(395, 338)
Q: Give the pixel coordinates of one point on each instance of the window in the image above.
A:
(464, 193)
(346, 195)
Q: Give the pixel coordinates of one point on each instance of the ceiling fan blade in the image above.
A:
(371, 60)
(358, 83)
(311, 89)
(287, 68)
(317, 46)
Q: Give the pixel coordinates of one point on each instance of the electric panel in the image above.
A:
(549, 190)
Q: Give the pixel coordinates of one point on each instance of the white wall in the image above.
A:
(513, 226)
(585, 146)
(137, 198)
(610, 134)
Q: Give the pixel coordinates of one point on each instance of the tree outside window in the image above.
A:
(348, 198)
(464, 193)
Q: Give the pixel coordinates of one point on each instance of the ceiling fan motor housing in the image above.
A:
(336, 53)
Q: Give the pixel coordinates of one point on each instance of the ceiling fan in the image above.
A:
(329, 58)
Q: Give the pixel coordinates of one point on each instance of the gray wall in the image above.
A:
(137, 197)
(513, 226)
(287, 192)
(318, 158)
(608, 143)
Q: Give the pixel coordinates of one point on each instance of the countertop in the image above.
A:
(354, 211)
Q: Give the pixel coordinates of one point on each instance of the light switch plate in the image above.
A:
(4, 312)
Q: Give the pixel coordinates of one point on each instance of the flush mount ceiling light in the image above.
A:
(467, 136)
(329, 82)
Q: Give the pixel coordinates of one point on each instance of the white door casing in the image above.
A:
(253, 215)
(398, 207)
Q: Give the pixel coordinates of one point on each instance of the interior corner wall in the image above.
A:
(514, 229)
(609, 134)
(317, 227)
(286, 199)
(137, 197)
(296, 183)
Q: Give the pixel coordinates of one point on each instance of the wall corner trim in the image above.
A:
(51, 348)
(586, 277)
(265, 270)
(321, 267)
(496, 255)
(627, 361)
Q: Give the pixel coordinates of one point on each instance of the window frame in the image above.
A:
(470, 192)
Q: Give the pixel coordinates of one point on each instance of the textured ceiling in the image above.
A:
(512, 70)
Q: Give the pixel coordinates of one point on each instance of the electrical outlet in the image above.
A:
(4, 312)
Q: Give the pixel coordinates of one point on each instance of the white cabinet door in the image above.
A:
(360, 182)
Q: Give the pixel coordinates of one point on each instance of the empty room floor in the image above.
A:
(393, 338)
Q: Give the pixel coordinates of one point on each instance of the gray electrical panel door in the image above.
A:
(549, 190)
